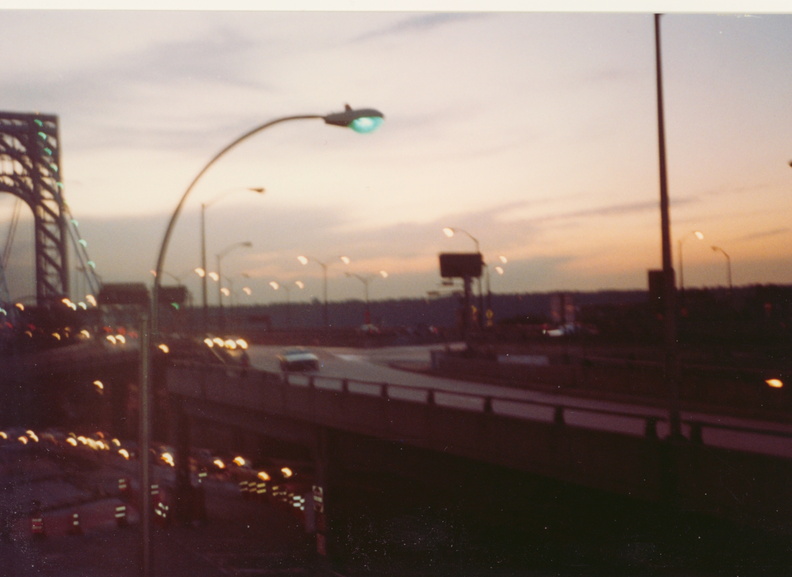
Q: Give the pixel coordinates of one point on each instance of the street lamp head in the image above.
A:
(362, 120)
(699, 234)
(448, 231)
(303, 259)
(208, 203)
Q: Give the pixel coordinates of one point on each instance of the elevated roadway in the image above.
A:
(725, 466)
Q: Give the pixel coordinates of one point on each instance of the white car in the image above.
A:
(298, 359)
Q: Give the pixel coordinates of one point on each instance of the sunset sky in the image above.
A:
(534, 132)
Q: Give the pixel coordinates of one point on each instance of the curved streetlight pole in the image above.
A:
(366, 280)
(170, 274)
(728, 265)
(204, 206)
(499, 270)
(699, 235)
(277, 286)
(450, 231)
(363, 121)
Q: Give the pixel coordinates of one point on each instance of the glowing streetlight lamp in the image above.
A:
(450, 231)
(699, 235)
(277, 286)
(361, 120)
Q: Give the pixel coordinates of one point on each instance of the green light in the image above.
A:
(39, 122)
(43, 135)
(366, 124)
(363, 120)
(91, 264)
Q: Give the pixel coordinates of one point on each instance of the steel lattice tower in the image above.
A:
(30, 169)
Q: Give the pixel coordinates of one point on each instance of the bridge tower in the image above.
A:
(30, 170)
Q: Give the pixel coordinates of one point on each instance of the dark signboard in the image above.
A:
(456, 265)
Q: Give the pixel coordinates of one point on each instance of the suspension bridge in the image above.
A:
(30, 170)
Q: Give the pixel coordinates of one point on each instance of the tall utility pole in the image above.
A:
(669, 286)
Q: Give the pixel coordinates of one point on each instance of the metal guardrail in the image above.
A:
(650, 423)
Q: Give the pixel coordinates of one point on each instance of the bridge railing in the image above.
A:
(723, 388)
(643, 422)
(737, 470)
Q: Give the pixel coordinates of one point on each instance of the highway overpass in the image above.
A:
(357, 417)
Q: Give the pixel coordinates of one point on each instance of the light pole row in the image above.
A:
(204, 206)
(288, 288)
(304, 260)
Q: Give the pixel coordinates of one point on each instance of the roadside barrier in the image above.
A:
(246, 488)
(121, 516)
(75, 528)
(161, 512)
(37, 526)
(261, 489)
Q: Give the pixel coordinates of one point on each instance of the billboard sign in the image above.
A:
(460, 265)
